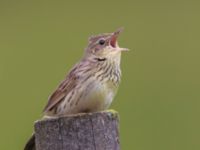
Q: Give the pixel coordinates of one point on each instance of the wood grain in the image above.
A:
(90, 131)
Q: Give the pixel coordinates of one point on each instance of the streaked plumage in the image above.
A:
(90, 86)
(92, 83)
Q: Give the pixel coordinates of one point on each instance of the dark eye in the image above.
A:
(102, 42)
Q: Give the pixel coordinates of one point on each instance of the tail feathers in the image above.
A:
(30, 145)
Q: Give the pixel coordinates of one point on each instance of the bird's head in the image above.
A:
(105, 45)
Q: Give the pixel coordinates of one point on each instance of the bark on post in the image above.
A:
(91, 131)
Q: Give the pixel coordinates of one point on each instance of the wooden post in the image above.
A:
(91, 131)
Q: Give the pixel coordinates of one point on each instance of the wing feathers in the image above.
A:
(62, 91)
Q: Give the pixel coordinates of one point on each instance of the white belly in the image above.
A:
(95, 97)
(91, 97)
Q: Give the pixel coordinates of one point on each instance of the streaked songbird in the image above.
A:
(91, 84)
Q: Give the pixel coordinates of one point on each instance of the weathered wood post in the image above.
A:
(91, 131)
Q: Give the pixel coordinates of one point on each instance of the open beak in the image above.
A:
(113, 40)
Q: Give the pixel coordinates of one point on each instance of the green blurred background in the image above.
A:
(158, 100)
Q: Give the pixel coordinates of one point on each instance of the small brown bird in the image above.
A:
(91, 84)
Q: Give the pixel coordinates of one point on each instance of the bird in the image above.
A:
(91, 85)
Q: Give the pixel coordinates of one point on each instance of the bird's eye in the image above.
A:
(102, 42)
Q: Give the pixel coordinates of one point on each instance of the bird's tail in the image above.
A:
(30, 145)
